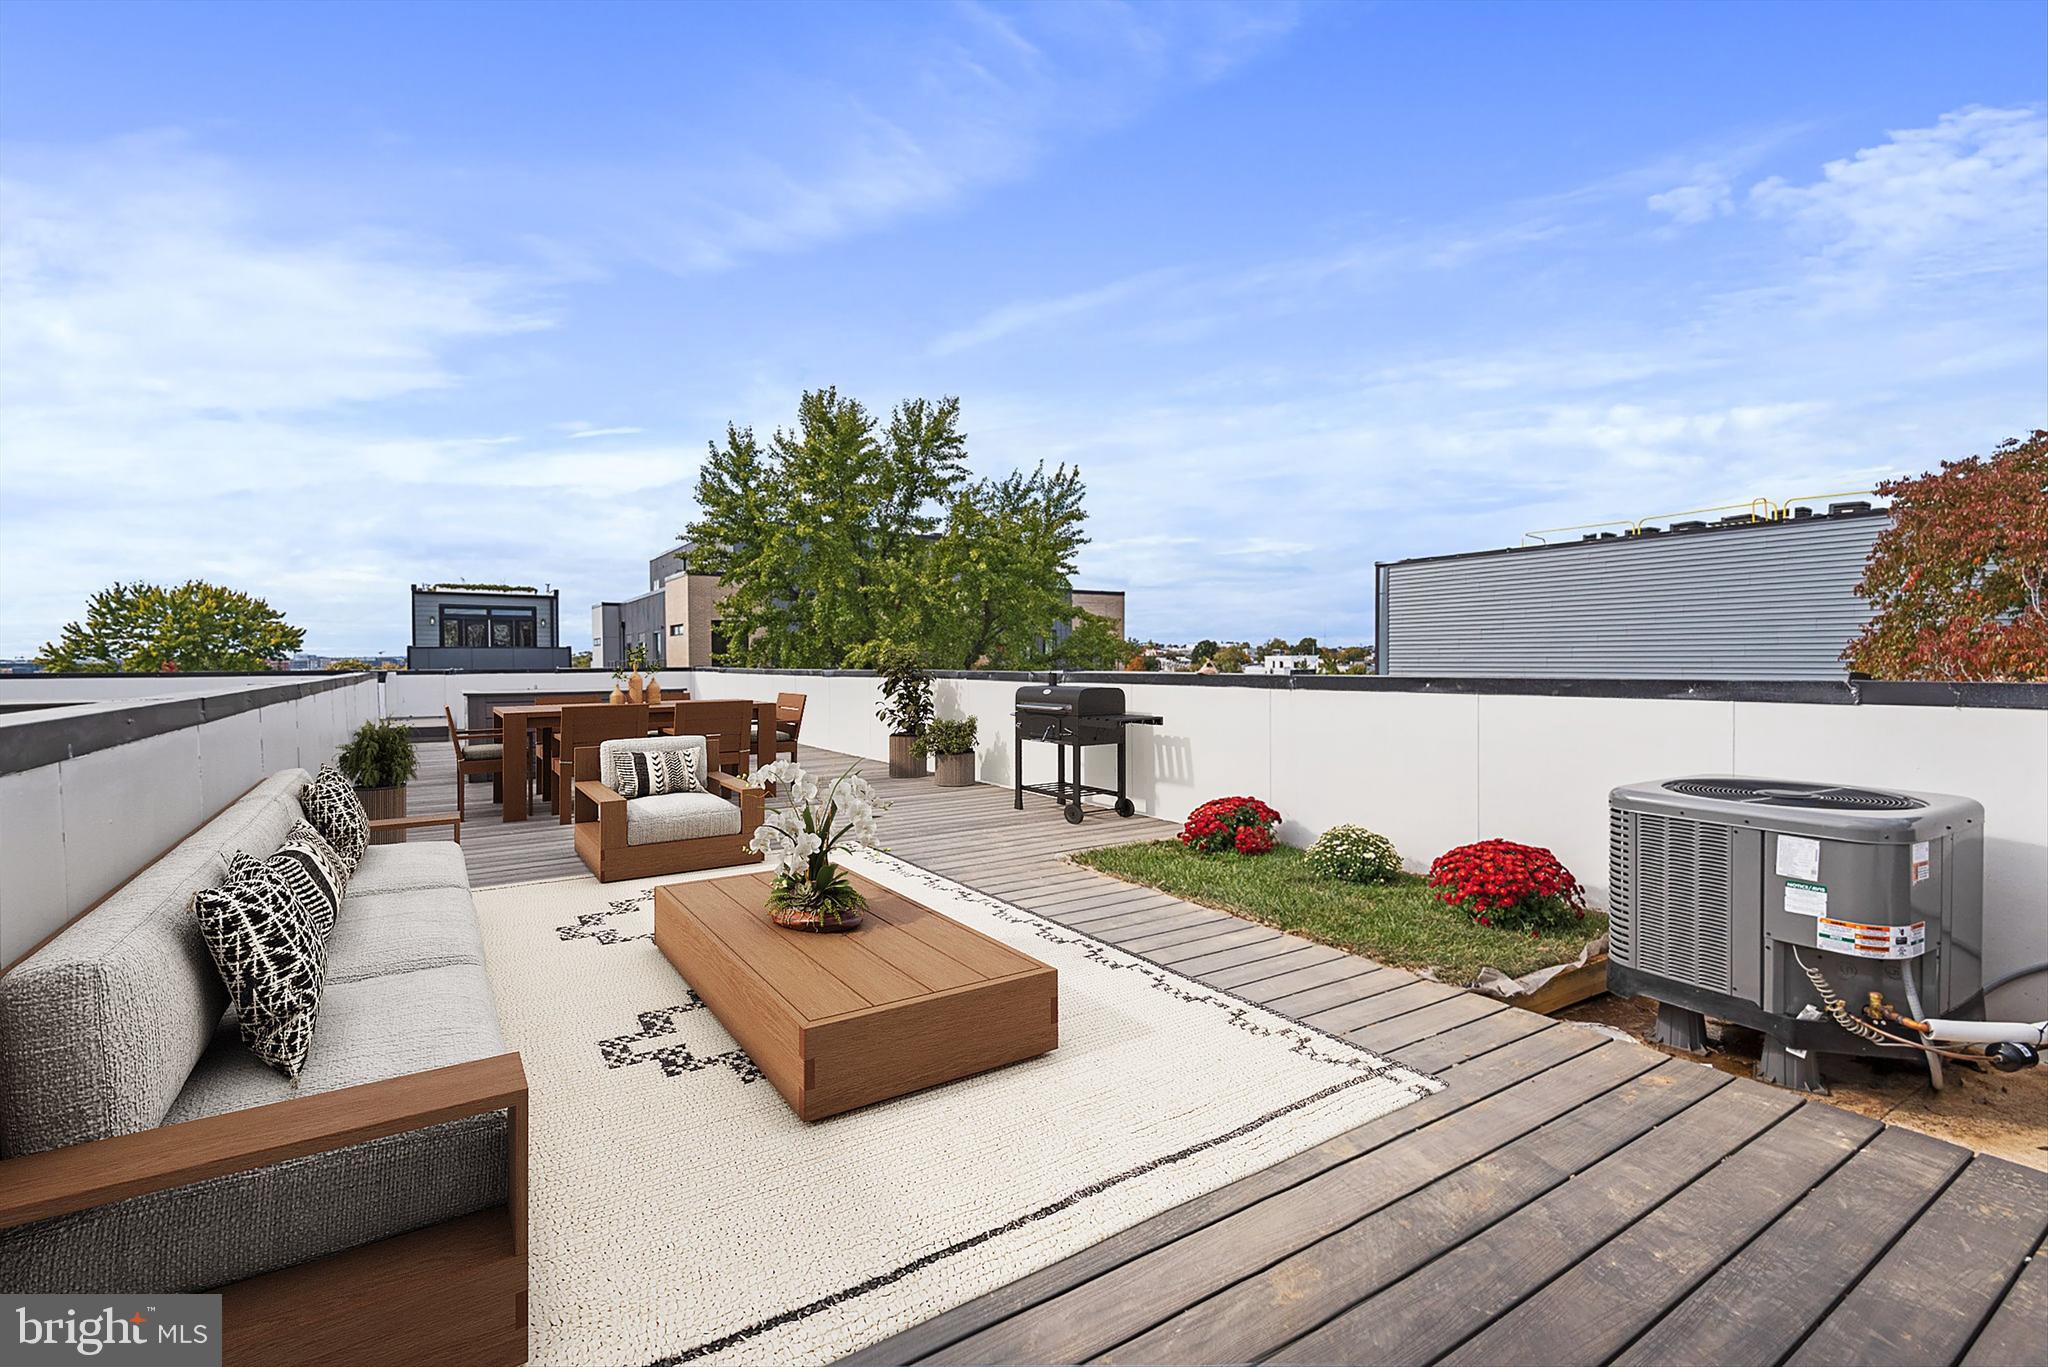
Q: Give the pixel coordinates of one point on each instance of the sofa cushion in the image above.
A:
(312, 868)
(394, 868)
(101, 1026)
(679, 816)
(270, 957)
(612, 756)
(399, 931)
(228, 1228)
(332, 805)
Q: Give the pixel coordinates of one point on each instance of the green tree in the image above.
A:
(1204, 651)
(1276, 646)
(350, 663)
(839, 535)
(143, 628)
(1305, 646)
(1231, 659)
(1092, 644)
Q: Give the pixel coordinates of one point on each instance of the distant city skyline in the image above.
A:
(322, 301)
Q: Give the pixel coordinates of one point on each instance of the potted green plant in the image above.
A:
(380, 760)
(952, 741)
(906, 708)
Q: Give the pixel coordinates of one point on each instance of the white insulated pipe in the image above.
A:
(1990, 1032)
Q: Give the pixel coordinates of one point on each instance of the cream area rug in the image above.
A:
(680, 1212)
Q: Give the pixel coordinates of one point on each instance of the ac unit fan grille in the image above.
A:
(1819, 796)
(1671, 898)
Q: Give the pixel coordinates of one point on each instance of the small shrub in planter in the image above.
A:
(380, 760)
(1513, 887)
(1224, 824)
(1353, 854)
(953, 742)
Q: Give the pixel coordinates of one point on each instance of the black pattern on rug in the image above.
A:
(592, 925)
(674, 1059)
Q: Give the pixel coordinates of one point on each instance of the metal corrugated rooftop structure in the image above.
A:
(1736, 599)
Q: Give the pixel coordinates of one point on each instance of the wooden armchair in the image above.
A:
(789, 722)
(378, 1303)
(588, 725)
(476, 752)
(605, 828)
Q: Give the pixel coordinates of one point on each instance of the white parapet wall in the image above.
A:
(92, 792)
(1431, 764)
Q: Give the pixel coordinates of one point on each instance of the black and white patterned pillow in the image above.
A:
(650, 773)
(270, 958)
(331, 804)
(313, 869)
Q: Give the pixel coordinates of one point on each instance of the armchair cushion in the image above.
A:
(614, 758)
(484, 749)
(679, 816)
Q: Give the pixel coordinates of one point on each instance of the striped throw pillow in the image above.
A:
(651, 773)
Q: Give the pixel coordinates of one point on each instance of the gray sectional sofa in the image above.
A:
(118, 1055)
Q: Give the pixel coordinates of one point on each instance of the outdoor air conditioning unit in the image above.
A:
(1738, 898)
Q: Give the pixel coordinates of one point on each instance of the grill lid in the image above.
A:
(1785, 793)
(1071, 700)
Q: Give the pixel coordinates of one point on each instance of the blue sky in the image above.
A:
(319, 300)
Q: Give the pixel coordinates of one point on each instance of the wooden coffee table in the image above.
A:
(909, 1000)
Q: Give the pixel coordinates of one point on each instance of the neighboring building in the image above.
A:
(465, 626)
(1735, 599)
(1287, 664)
(25, 665)
(1102, 603)
(675, 622)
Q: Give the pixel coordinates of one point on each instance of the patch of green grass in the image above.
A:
(1396, 923)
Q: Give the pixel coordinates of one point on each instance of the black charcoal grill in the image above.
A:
(1071, 716)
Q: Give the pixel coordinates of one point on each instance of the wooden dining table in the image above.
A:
(516, 723)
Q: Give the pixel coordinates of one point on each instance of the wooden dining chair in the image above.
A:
(476, 752)
(544, 748)
(789, 722)
(730, 719)
(589, 724)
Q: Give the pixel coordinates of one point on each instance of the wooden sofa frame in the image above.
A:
(601, 826)
(454, 1292)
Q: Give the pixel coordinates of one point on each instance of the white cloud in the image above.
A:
(579, 432)
(1708, 198)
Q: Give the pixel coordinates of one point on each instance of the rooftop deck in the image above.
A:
(1567, 1198)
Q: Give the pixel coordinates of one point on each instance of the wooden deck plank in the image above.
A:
(1115, 1307)
(1438, 1306)
(1411, 996)
(1476, 1081)
(1266, 1316)
(1592, 1311)
(1762, 1302)
(2019, 1326)
(1469, 1041)
(1412, 1027)
(1935, 1288)
(1268, 991)
(1255, 970)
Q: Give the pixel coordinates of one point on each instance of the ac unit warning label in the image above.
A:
(1871, 942)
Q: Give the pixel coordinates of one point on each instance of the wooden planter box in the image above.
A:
(381, 803)
(956, 771)
(903, 762)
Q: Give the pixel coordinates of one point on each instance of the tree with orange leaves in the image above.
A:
(1959, 581)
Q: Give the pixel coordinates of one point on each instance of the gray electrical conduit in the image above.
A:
(1908, 973)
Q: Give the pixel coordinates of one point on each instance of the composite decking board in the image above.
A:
(1207, 967)
(1301, 1308)
(1189, 951)
(1936, 1286)
(1115, 1307)
(1339, 992)
(1192, 933)
(1414, 1026)
(1272, 989)
(1258, 970)
(1412, 996)
(1145, 917)
(1761, 1303)
(1452, 1296)
(2019, 1326)
(1476, 1081)
(1080, 902)
(1463, 1043)
(1593, 1310)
